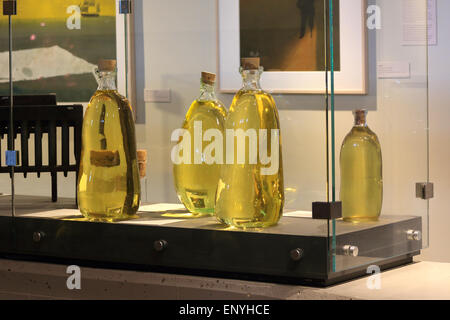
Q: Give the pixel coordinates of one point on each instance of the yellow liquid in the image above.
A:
(196, 184)
(361, 176)
(245, 197)
(108, 182)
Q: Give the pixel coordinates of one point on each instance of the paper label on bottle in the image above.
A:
(105, 158)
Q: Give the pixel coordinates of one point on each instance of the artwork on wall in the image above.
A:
(290, 38)
(57, 44)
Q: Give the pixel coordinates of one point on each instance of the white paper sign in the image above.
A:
(393, 70)
(417, 25)
(432, 23)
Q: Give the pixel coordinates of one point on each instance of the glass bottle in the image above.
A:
(108, 180)
(196, 179)
(361, 173)
(251, 192)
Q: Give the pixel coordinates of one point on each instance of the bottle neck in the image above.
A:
(207, 92)
(251, 79)
(106, 80)
(360, 118)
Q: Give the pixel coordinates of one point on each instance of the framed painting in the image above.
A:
(57, 45)
(290, 38)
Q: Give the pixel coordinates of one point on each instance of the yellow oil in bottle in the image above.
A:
(108, 181)
(196, 181)
(361, 173)
(249, 194)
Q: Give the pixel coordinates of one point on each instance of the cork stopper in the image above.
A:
(360, 117)
(250, 63)
(142, 162)
(208, 78)
(107, 65)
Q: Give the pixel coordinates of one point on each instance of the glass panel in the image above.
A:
(178, 46)
(180, 39)
(382, 152)
(6, 140)
(161, 51)
(56, 48)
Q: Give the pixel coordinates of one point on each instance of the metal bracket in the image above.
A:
(414, 235)
(9, 7)
(125, 6)
(327, 210)
(160, 245)
(297, 254)
(12, 158)
(348, 250)
(425, 190)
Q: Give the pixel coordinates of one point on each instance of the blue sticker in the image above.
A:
(11, 158)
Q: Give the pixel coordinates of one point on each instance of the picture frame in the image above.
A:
(53, 52)
(350, 79)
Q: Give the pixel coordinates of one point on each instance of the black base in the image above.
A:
(202, 247)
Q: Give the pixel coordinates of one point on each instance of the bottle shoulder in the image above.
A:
(202, 108)
(247, 92)
(361, 135)
(112, 96)
(244, 98)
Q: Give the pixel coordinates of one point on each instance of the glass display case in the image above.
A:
(307, 122)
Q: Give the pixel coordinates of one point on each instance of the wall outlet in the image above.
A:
(163, 95)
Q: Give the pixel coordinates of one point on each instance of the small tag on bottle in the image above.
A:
(105, 158)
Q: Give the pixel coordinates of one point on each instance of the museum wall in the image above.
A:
(177, 39)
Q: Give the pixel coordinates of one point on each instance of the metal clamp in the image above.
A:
(414, 235)
(296, 254)
(38, 236)
(350, 251)
(326, 210)
(425, 190)
(160, 245)
(9, 7)
(125, 6)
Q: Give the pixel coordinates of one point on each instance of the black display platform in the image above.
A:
(48, 232)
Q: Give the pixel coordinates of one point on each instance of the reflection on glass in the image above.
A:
(66, 38)
(108, 184)
(251, 192)
(361, 173)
